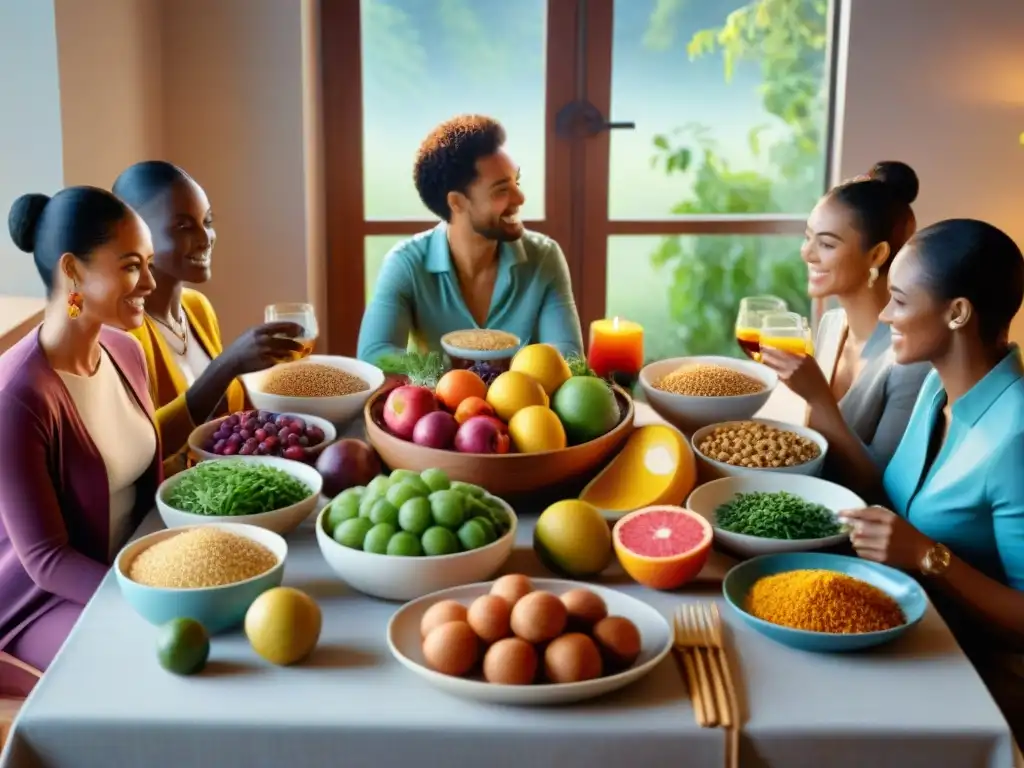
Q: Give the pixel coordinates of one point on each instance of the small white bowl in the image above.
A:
(391, 577)
(282, 521)
(337, 410)
(201, 434)
(689, 413)
(481, 355)
(706, 500)
(712, 469)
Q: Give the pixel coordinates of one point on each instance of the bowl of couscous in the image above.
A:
(210, 573)
(330, 387)
(693, 392)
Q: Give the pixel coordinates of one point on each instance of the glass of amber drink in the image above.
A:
(748, 321)
(300, 314)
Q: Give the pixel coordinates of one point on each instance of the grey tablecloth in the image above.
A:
(105, 703)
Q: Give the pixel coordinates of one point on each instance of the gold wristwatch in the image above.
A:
(936, 560)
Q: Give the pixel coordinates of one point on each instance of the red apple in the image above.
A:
(435, 430)
(481, 434)
(497, 422)
(405, 406)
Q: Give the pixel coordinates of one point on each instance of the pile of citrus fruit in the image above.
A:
(535, 406)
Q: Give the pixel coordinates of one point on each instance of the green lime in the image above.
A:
(586, 407)
(377, 538)
(472, 535)
(405, 544)
(379, 485)
(436, 479)
(399, 493)
(367, 501)
(468, 488)
(448, 508)
(183, 646)
(352, 532)
(488, 526)
(341, 509)
(439, 541)
(384, 512)
(400, 476)
(415, 516)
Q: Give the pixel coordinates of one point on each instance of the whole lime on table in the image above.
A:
(587, 408)
(183, 646)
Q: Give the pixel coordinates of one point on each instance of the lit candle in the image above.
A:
(616, 350)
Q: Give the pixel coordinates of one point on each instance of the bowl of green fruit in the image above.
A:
(408, 534)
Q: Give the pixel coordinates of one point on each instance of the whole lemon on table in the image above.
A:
(544, 364)
(572, 537)
(283, 625)
(512, 391)
(536, 428)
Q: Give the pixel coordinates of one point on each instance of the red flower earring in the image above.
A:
(75, 301)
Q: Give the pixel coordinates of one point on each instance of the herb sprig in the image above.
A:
(228, 489)
(779, 515)
(422, 370)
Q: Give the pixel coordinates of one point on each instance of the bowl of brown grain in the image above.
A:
(330, 387)
(481, 345)
(693, 392)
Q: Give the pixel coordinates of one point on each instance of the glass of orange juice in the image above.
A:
(748, 321)
(788, 331)
(300, 314)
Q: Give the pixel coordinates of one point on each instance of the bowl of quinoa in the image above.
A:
(211, 573)
(693, 392)
(329, 387)
(481, 345)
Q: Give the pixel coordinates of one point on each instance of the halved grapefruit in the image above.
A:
(662, 547)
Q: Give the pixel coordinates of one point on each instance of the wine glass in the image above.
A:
(787, 331)
(300, 314)
(748, 321)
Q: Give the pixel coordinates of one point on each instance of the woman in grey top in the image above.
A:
(858, 397)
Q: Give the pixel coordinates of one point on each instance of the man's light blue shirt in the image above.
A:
(972, 497)
(418, 292)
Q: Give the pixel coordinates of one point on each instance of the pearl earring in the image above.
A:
(953, 325)
(872, 277)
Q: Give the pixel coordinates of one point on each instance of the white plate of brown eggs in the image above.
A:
(529, 642)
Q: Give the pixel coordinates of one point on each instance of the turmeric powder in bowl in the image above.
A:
(817, 600)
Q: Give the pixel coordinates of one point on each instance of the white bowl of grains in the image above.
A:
(693, 392)
(756, 446)
(210, 573)
(328, 386)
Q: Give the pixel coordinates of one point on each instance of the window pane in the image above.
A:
(424, 62)
(685, 290)
(377, 247)
(730, 100)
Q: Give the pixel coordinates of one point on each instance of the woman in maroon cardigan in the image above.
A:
(79, 452)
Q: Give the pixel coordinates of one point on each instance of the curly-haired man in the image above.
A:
(479, 267)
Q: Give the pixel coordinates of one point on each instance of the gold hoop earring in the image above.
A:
(872, 277)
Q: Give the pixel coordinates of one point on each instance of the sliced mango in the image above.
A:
(656, 466)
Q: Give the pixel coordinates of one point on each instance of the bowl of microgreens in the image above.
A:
(266, 491)
(772, 513)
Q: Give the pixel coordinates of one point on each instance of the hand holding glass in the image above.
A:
(788, 332)
(748, 321)
(300, 314)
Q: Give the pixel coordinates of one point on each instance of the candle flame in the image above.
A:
(615, 323)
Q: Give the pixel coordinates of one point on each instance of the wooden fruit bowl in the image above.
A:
(509, 474)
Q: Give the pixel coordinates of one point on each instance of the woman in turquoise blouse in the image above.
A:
(479, 268)
(955, 484)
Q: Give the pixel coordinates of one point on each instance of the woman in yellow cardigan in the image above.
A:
(191, 376)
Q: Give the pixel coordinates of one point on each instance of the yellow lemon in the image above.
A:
(572, 538)
(283, 625)
(543, 363)
(536, 428)
(512, 391)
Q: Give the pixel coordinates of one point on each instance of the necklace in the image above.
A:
(180, 333)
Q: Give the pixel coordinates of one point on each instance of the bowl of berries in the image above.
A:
(295, 436)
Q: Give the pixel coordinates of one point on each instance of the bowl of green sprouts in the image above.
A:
(270, 492)
(772, 513)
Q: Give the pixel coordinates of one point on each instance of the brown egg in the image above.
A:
(441, 613)
(511, 661)
(489, 616)
(539, 617)
(512, 587)
(619, 641)
(452, 648)
(585, 608)
(572, 658)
